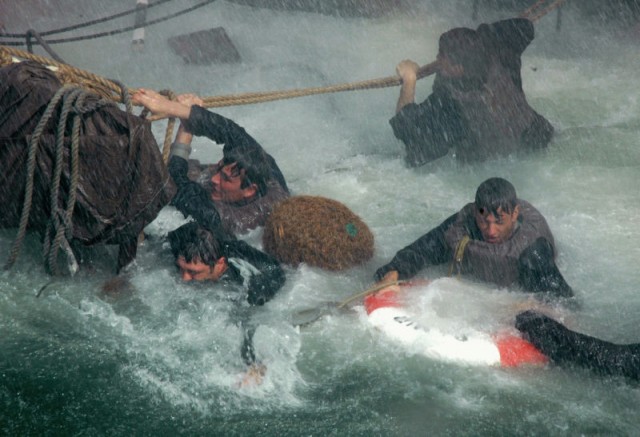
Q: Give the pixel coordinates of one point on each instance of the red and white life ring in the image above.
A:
(387, 312)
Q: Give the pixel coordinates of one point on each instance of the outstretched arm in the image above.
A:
(408, 72)
(181, 108)
(159, 104)
(430, 249)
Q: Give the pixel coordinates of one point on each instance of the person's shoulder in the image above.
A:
(527, 209)
(469, 207)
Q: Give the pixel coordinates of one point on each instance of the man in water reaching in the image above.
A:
(498, 238)
(200, 256)
(477, 108)
(246, 183)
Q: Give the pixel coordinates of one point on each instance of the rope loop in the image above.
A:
(71, 101)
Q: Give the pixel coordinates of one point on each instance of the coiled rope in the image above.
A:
(60, 222)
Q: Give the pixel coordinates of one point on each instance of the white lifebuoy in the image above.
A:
(386, 312)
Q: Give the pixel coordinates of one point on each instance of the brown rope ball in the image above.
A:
(317, 231)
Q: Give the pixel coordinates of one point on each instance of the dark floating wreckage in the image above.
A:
(75, 168)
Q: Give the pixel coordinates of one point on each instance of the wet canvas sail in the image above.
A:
(122, 183)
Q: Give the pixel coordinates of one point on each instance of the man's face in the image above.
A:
(496, 229)
(196, 270)
(226, 185)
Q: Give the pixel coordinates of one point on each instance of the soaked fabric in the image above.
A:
(566, 347)
(222, 217)
(500, 264)
(478, 116)
(123, 183)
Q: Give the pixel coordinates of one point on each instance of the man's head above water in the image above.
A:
(497, 210)
(240, 177)
(197, 252)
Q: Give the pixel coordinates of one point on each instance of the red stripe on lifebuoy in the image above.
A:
(515, 351)
(382, 299)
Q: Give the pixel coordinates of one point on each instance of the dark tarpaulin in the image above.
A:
(123, 183)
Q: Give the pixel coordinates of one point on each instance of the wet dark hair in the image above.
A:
(195, 243)
(256, 169)
(465, 47)
(494, 194)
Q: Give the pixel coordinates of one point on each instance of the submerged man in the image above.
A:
(498, 238)
(477, 108)
(200, 256)
(246, 183)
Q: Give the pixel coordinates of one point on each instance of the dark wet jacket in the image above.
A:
(496, 263)
(566, 347)
(194, 200)
(477, 119)
(259, 272)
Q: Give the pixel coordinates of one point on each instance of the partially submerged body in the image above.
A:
(477, 109)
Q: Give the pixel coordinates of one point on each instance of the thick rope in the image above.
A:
(110, 90)
(261, 97)
(168, 135)
(69, 74)
(31, 165)
(537, 10)
(51, 249)
(60, 221)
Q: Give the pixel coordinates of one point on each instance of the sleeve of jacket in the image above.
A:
(430, 249)
(269, 278)
(193, 200)
(236, 140)
(428, 129)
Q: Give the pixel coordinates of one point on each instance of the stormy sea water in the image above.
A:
(162, 357)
